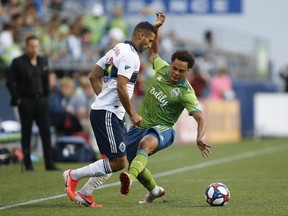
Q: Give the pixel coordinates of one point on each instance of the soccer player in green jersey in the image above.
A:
(169, 93)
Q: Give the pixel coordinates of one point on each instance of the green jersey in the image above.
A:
(164, 101)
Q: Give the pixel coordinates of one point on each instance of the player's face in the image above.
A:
(146, 41)
(178, 71)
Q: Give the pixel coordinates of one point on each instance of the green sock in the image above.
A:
(146, 179)
(138, 164)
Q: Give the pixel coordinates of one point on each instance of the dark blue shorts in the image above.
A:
(135, 135)
(110, 133)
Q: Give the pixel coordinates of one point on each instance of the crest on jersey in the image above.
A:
(175, 92)
(122, 147)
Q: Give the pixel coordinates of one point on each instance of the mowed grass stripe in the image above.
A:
(269, 150)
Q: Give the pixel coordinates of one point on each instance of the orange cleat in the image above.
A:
(70, 184)
(86, 201)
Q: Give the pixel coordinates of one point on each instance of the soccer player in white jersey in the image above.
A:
(169, 93)
(112, 78)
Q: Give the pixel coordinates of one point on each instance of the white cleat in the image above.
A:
(149, 197)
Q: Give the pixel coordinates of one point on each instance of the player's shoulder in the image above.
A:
(187, 86)
(126, 50)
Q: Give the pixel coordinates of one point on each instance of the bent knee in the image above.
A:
(118, 163)
(149, 145)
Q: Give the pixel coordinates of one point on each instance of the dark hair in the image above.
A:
(31, 37)
(184, 55)
(145, 26)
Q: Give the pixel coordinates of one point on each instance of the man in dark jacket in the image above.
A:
(28, 84)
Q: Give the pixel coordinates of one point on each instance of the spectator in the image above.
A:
(199, 81)
(169, 44)
(6, 36)
(96, 22)
(221, 86)
(56, 5)
(72, 103)
(74, 44)
(8, 48)
(114, 36)
(117, 21)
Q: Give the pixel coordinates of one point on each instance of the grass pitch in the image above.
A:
(254, 171)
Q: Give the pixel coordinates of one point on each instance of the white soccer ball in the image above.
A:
(217, 194)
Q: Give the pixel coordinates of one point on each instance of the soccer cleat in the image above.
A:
(149, 197)
(86, 201)
(125, 183)
(70, 184)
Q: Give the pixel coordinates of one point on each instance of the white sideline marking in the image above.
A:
(250, 154)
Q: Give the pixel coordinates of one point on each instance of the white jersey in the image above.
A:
(123, 59)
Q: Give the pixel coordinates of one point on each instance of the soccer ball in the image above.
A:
(217, 194)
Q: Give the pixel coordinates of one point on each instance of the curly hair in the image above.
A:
(184, 55)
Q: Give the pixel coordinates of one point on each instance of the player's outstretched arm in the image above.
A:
(153, 51)
(160, 19)
(201, 144)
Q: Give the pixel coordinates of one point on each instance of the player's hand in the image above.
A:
(160, 19)
(136, 119)
(204, 148)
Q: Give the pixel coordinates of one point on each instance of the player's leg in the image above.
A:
(109, 132)
(147, 146)
(157, 138)
(155, 191)
(84, 195)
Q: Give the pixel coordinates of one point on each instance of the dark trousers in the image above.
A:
(35, 109)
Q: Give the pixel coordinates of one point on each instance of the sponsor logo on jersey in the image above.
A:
(160, 96)
(175, 92)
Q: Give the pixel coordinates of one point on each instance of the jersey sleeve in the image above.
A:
(190, 102)
(102, 61)
(127, 65)
(159, 63)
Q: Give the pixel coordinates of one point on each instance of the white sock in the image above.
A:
(94, 183)
(155, 191)
(96, 169)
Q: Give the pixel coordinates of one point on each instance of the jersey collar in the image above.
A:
(132, 44)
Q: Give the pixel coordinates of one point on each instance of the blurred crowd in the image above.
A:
(74, 42)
